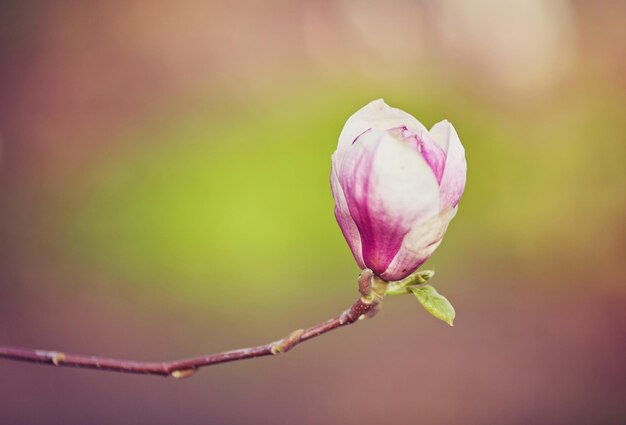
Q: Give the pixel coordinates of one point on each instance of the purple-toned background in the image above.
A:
(164, 193)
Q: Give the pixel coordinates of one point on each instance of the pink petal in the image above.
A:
(342, 214)
(418, 245)
(388, 188)
(433, 155)
(453, 180)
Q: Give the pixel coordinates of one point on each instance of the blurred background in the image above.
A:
(164, 193)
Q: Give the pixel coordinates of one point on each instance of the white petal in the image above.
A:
(376, 115)
(453, 181)
(418, 245)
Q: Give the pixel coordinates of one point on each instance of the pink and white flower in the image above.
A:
(396, 187)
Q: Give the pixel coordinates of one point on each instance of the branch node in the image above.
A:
(55, 357)
(287, 343)
(58, 358)
(182, 373)
(344, 318)
(365, 282)
(373, 311)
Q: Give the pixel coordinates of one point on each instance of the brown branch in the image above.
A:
(366, 306)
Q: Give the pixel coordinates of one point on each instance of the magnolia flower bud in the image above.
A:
(396, 187)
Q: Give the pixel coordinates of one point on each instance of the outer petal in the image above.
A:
(388, 188)
(433, 155)
(453, 181)
(418, 245)
(345, 221)
(376, 115)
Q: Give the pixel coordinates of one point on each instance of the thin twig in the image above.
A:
(366, 306)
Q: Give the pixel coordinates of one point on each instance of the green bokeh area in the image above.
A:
(236, 198)
(236, 203)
